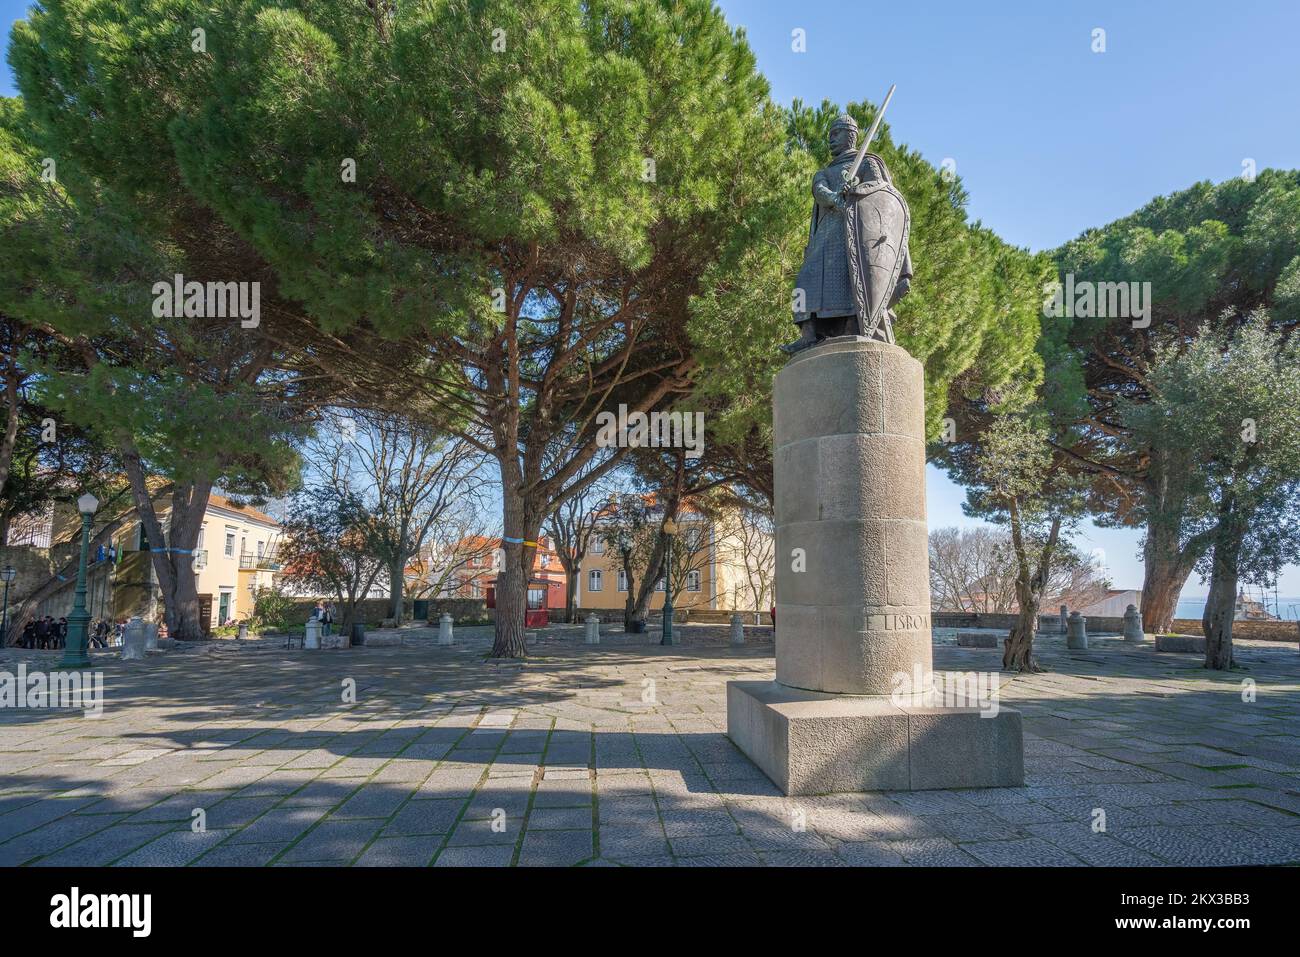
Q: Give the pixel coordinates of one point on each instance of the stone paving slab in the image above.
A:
(617, 755)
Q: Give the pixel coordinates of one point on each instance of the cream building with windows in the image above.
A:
(233, 557)
(724, 563)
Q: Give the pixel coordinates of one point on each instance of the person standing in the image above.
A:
(61, 635)
(328, 620)
(43, 631)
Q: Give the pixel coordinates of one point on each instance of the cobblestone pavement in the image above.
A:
(617, 755)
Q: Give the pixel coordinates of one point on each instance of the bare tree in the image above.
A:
(750, 536)
(412, 477)
(459, 543)
(572, 526)
(974, 569)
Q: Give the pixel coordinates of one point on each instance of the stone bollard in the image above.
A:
(243, 631)
(1064, 619)
(1133, 624)
(311, 637)
(445, 635)
(1076, 635)
(593, 629)
(133, 640)
(151, 637)
(737, 629)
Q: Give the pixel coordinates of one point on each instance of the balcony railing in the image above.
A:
(261, 562)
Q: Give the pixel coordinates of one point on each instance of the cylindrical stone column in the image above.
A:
(1076, 635)
(852, 553)
(737, 629)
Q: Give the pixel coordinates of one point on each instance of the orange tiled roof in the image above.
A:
(220, 501)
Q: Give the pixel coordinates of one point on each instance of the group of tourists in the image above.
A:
(44, 633)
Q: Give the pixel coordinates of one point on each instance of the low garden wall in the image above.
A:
(1050, 624)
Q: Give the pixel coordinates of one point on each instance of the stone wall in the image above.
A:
(462, 609)
(1048, 624)
(1256, 630)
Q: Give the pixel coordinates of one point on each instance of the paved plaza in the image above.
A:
(617, 755)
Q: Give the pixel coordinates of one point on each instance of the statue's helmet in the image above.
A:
(846, 123)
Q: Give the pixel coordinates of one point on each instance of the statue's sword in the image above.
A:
(866, 140)
(850, 227)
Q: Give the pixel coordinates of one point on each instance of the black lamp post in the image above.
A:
(8, 573)
(670, 530)
(74, 654)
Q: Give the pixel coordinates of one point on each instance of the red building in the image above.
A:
(545, 587)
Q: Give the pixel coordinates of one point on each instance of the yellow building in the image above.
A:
(724, 563)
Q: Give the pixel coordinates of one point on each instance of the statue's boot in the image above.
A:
(807, 339)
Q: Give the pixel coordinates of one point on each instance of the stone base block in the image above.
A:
(1188, 644)
(976, 639)
(334, 642)
(813, 743)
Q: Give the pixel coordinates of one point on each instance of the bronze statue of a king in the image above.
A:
(856, 264)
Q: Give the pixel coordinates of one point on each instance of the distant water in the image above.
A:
(1195, 608)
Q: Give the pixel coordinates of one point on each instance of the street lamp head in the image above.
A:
(8, 573)
(87, 504)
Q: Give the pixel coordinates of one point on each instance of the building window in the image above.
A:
(593, 580)
(693, 580)
(659, 585)
(598, 547)
(230, 544)
(199, 543)
(622, 579)
(260, 546)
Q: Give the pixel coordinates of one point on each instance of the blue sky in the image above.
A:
(1048, 136)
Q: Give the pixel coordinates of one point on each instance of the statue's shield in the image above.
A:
(876, 225)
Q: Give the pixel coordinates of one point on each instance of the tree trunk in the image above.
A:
(1221, 604)
(11, 419)
(1168, 561)
(172, 555)
(654, 570)
(181, 594)
(570, 589)
(629, 600)
(184, 610)
(518, 547)
(1018, 653)
(1166, 571)
(395, 591)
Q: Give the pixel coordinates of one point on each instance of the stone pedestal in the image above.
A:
(1076, 634)
(593, 629)
(311, 634)
(850, 708)
(446, 634)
